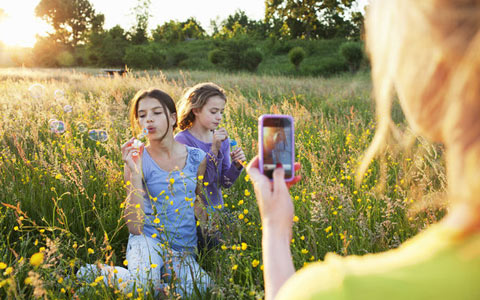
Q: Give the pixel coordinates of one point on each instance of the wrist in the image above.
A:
(277, 229)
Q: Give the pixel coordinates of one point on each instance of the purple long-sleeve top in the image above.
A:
(220, 172)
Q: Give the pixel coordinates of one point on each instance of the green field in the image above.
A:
(62, 194)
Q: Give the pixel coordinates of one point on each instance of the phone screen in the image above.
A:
(277, 145)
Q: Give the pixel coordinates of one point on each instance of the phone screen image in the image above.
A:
(277, 145)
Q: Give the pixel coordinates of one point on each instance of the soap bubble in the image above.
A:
(59, 95)
(98, 135)
(67, 108)
(36, 90)
(57, 126)
(233, 143)
(143, 133)
(82, 127)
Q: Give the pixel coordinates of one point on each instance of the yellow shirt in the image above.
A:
(436, 264)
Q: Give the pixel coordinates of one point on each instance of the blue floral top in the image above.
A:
(169, 199)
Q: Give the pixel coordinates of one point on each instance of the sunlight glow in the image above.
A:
(20, 26)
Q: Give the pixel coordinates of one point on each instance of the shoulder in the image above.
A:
(183, 136)
(196, 155)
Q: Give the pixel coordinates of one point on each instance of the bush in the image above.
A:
(216, 56)
(252, 59)
(236, 54)
(352, 52)
(296, 56)
(145, 56)
(327, 66)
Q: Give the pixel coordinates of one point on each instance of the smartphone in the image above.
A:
(276, 144)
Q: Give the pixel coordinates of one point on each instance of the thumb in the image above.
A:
(279, 179)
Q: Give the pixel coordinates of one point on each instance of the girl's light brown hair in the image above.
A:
(165, 100)
(428, 51)
(196, 97)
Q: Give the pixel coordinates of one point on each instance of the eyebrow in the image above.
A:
(143, 110)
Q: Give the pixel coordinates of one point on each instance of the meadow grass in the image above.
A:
(63, 195)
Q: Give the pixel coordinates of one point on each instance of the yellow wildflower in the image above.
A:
(255, 263)
(36, 259)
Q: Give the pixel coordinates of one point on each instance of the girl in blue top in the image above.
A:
(161, 202)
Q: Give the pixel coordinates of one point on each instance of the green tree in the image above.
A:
(71, 19)
(238, 24)
(310, 18)
(107, 48)
(174, 31)
(138, 33)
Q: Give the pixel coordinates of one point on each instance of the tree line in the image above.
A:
(80, 39)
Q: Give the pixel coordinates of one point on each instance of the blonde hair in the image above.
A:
(196, 97)
(428, 51)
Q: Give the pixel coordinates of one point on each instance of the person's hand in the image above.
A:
(238, 156)
(219, 136)
(131, 155)
(273, 198)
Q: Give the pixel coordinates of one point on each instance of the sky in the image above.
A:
(20, 26)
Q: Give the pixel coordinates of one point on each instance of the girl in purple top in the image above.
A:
(200, 113)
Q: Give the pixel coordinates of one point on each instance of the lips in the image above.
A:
(151, 129)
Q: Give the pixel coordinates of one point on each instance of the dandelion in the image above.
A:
(295, 219)
(98, 279)
(125, 263)
(200, 177)
(36, 259)
(240, 202)
(153, 266)
(245, 211)
(205, 183)
(327, 230)
(60, 279)
(156, 221)
(58, 176)
(2, 265)
(8, 271)
(302, 237)
(255, 263)
(304, 251)
(224, 247)
(244, 246)
(172, 180)
(90, 251)
(247, 193)
(241, 216)
(235, 267)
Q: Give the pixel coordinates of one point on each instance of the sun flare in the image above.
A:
(19, 26)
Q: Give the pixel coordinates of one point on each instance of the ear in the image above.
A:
(173, 118)
(196, 110)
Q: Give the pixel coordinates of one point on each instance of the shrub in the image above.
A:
(352, 53)
(145, 56)
(216, 56)
(252, 59)
(296, 56)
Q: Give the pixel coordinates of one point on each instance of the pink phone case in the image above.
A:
(261, 120)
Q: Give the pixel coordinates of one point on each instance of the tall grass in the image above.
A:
(62, 194)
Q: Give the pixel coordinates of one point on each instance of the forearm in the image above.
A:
(134, 208)
(277, 259)
(230, 175)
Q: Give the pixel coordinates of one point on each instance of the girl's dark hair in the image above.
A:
(165, 100)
